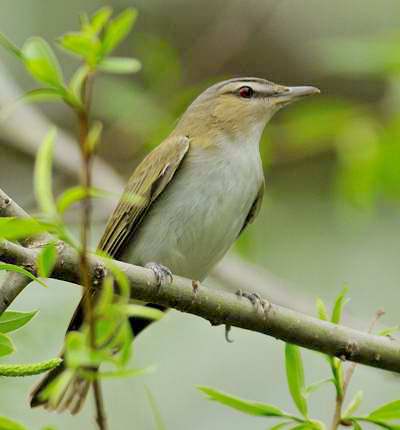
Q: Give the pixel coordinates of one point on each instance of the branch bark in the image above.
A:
(220, 307)
(216, 306)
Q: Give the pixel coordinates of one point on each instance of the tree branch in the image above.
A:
(220, 307)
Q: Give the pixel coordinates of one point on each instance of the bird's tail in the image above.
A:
(71, 397)
(75, 387)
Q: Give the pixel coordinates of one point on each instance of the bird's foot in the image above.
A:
(163, 274)
(255, 299)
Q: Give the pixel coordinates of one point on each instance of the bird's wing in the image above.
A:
(147, 182)
(255, 208)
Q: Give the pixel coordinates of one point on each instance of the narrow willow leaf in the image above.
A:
(280, 426)
(338, 306)
(354, 404)
(120, 65)
(42, 95)
(159, 422)
(43, 175)
(7, 424)
(75, 194)
(388, 411)
(118, 29)
(41, 62)
(106, 296)
(6, 345)
(313, 387)
(246, 406)
(81, 44)
(321, 310)
(13, 268)
(77, 80)
(119, 276)
(93, 137)
(100, 18)
(126, 373)
(7, 44)
(46, 260)
(295, 377)
(19, 228)
(12, 320)
(141, 311)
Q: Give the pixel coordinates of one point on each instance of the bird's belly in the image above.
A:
(195, 220)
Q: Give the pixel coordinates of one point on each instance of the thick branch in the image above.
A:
(225, 308)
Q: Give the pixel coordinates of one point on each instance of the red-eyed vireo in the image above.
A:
(197, 191)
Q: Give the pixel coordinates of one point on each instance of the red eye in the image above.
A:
(246, 92)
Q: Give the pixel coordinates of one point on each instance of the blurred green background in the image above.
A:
(331, 212)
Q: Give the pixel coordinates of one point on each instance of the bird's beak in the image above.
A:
(291, 94)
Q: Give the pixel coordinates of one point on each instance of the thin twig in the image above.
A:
(337, 416)
(86, 157)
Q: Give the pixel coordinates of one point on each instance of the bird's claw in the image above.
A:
(255, 299)
(163, 274)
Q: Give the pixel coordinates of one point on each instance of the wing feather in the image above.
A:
(148, 181)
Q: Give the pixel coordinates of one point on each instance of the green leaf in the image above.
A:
(46, 260)
(356, 425)
(40, 61)
(77, 80)
(126, 373)
(7, 424)
(19, 228)
(119, 65)
(118, 29)
(313, 387)
(6, 345)
(106, 296)
(321, 310)
(93, 137)
(17, 269)
(100, 18)
(12, 320)
(246, 406)
(42, 95)
(280, 426)
(119, 276)
(141, 311)
(338, 306)
(295, 377)
(81, 44)
(43, 176)
(388, 411)
(10, 47)
(354, 404)
(74, 195)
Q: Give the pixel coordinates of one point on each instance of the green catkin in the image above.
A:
(15, 370)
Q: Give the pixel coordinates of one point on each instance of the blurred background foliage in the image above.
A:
(331, 212)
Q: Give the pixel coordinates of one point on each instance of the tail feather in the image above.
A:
(72, 397)
(75, 392)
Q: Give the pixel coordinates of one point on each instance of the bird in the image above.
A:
(198, 190)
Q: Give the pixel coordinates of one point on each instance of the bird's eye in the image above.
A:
(246, 92)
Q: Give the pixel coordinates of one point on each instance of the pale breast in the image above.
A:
(196, 219)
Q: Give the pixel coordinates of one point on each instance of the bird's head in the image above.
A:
(239, 105)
